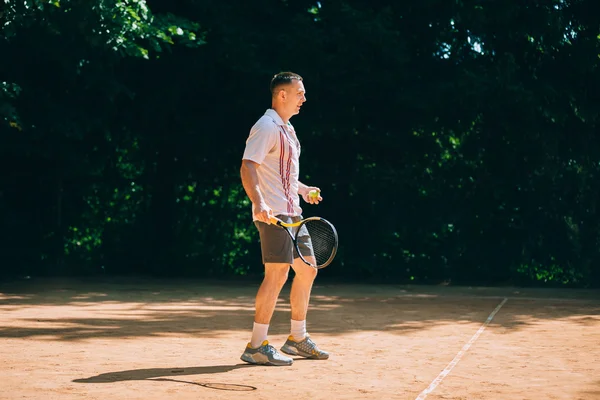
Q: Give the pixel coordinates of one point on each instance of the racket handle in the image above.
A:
(279, 222)
(276, 221)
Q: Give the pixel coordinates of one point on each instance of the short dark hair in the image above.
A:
(283, 78)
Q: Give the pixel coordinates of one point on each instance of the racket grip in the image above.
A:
(276, 221)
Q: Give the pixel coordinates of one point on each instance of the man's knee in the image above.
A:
(277, 272)
(304, 271)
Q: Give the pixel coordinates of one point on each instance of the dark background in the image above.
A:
(454, 141)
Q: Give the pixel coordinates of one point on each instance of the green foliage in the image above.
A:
(8, 113)
(127, 26)
(463, 135)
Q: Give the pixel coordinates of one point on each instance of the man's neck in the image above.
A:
(284, 117)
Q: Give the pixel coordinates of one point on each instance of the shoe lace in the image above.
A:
(268, 349)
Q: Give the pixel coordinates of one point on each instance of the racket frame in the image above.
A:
(298, 225)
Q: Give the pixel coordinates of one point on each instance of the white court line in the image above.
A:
(457, 358)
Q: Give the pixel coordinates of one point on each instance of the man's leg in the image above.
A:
(304, 279)
(299, 342)
(276, 275)
(301, 289)
(277, 253)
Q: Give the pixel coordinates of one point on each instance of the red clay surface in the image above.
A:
(66, 339)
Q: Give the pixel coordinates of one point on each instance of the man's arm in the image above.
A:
(302, 188)
(250, 183)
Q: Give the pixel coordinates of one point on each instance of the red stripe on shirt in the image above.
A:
(289, 168)
(285, 178)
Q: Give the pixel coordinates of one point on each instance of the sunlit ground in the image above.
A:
(154, 340)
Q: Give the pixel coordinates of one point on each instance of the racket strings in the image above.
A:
(323, 238)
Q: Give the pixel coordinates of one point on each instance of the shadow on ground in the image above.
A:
(169, 375)
(594, 394)
(201, 309)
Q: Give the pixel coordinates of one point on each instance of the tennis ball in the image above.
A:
(313, 194)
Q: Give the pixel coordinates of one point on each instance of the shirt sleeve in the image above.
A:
(262, 139)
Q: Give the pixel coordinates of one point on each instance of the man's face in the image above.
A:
(295, 96)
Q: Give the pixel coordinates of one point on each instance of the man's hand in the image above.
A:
(305, 193)
(263, 213)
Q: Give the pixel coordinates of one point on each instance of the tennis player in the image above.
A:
(269, 172)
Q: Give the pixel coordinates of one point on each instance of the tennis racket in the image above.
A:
(322, 234)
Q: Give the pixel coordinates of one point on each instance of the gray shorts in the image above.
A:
(276, 245)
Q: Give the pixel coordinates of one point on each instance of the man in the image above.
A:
(269, 172)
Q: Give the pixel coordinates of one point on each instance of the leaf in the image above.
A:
(15, 125)
(143, 52)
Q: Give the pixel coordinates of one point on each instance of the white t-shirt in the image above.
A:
(275, 146)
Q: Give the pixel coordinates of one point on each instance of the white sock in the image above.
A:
(298, 330)
(259, 334)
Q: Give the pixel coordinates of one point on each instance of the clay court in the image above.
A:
(132, 339)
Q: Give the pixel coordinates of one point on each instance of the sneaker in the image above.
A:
(265, 354)
(305, 348)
